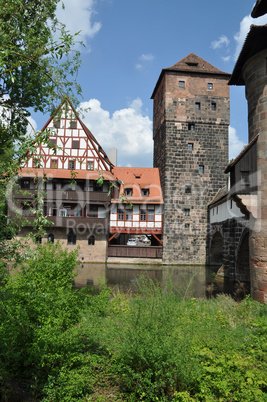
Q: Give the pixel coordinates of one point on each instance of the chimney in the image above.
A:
(112, 154)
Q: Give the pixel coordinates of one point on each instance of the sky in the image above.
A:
(129, 42)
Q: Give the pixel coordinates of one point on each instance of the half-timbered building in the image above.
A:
(63, 176)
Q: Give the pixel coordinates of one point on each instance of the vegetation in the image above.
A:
(62, 344)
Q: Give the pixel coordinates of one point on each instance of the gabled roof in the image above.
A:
(242, 153)
(259, 9)
(137, 179)
(255, 42)
(97, 147)
(191, 64)
(221, 194)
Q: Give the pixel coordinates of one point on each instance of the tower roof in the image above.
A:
(259, 9)
(191, 64)
(255, 42)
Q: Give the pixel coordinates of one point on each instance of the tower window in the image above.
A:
(187, 189)
(186, 212)
(201, 169)
(181, 84)
(187, 226)
(210, 85)
(213, 106)
(190, 146)
(197, 105)
(191, 126)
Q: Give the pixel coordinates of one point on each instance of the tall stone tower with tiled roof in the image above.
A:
(190, 130)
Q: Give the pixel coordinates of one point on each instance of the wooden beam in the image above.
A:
(112, 236)
(156, 237)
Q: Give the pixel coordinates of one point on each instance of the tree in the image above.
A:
(35, 69)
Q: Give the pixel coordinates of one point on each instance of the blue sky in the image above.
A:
(128, 42)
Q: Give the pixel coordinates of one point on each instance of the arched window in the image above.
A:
(51, 238)
(71, 237)
(91, 240)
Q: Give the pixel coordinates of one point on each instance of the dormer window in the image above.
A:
(192, 64)
(128, 192)
(145, 192)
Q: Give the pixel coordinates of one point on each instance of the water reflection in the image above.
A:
(189, 281)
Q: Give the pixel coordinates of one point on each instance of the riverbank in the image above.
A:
(63, 344)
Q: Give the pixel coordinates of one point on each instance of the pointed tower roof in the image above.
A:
(191, 64)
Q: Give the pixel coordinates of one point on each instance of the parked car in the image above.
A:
(146, 241)
(131, 242)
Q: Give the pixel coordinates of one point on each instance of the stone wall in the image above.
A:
(189, 134)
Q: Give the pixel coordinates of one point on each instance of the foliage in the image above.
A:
(36, 69)
(93, 345)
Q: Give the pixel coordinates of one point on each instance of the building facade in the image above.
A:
(191, 116)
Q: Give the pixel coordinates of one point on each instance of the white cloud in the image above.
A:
(235, 144)
(78, 16)
(244, 28)
(143, 60)
(219, 43)
(126, 129)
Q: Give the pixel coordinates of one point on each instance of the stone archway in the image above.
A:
(242, 272)
(216, 249)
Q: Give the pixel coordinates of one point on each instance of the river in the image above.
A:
(188, 281)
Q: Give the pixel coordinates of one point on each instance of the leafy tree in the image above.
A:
(35, 69)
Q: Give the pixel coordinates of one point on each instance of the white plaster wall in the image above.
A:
(224, 211)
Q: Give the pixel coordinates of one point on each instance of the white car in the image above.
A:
(131, 242)
(146, 241)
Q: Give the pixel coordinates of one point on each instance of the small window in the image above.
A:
(90, 165)
(38, 239)
(201, 169)
(191, 126)
(53, 163)
(186, 212)
(71, 165)
(245, 178)
(197, 105)
(91, 240)
(181, 84)
(145, 192)
(51, 238)
(73, 124)
(128, 192)
(75, 144)
(187, 226)
(71, 237)
(120, 214)
(57, 123)
(187, 189)
(210, 85)
(25, 183)
(53, 143)
(213, 106)
(190, 146)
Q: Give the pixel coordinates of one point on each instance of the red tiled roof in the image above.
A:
(137, 179)
(191, 64)
(229, 167)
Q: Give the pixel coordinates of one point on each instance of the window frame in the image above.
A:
(191, 126)
(201, 169)
(197, 105)
(55, 163)
(190, 146)
(181, 84)
(71, 161)
(210, 86)
(77, 144)
(91, 164)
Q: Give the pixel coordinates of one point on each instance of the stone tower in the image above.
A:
(190, 130)
(251, 70)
